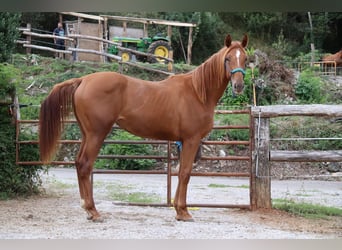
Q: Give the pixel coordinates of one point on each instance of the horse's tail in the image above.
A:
(54, 110)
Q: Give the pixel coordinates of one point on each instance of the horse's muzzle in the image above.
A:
(238, 87)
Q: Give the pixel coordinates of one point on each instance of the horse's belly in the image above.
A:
(149, 128)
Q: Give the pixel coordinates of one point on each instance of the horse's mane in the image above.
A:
(211, 73)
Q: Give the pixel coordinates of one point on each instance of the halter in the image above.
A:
(238, 70)
(241, 70)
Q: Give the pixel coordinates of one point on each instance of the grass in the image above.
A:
(135, 197)
(213, 185)
(62, 185)
(123, 193)
(306, 210)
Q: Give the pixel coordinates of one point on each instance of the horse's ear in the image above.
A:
(244, 41)
(228, 41)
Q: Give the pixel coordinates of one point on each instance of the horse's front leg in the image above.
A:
(188, 152)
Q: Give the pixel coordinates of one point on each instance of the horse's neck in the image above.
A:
(215, 91)
(215, 94)
(210, 81)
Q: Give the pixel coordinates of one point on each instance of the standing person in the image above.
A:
(59, 31)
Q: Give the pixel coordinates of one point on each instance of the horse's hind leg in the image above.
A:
(84, 164)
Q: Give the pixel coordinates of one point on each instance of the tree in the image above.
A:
(210, 37)
(9, 22)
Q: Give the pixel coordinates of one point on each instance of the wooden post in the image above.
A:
(145, 30)
(28, 39)
(100, 35)
(124, 26)
(261, 163)
(170, 63)
(60, 18)
(169, 33)
(188, 60)
(78, 32)
(105, 36)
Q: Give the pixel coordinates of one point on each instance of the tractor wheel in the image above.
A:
(159, 48)
(125, 56)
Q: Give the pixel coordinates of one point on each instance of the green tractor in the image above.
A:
(157, 45)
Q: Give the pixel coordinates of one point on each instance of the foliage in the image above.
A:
(231, 134)
(210, 37)
(229, 99)
(306, 127)
(309, 88)
(14, 179)
(9, 22)
(9, 76)
(306, 210)
(125, 149)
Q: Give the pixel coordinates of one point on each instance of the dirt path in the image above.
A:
(57, 214)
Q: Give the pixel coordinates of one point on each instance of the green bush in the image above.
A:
(244, 99)
(9, 22)
(306, 127)
(125, 149)
(15, 180)
(9, 76)
(309, 88)
(231, 134)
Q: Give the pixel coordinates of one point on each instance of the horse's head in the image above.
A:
(235, 62)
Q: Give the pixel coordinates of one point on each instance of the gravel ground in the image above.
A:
(57, 213)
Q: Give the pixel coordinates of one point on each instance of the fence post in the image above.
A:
(261, 163)
(170, 63)
(28, 39)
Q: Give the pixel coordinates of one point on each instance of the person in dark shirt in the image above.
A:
(59, 31)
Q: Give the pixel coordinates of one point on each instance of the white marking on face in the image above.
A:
(238, 57)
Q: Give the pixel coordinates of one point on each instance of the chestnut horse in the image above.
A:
(337, 57)
(179, 108)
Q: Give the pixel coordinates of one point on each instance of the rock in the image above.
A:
(222, 153)
(334, 167)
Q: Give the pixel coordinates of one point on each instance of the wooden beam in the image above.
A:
(150, 21)
(145, 32)
(306, 156)
(46, 48)
(93, 17)
(132, 19)
(169, 33)
(189, 46)
(28, 38)
(297, 110)
(28, 33)
(262, 164)
(93, 38)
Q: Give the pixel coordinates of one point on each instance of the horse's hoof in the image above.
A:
(95, 218)
(185, 219)
(98, 220)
